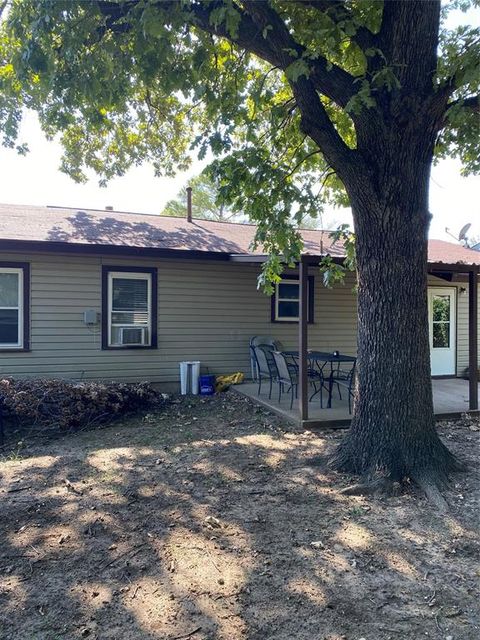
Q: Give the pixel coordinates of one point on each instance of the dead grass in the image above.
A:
(208, 522)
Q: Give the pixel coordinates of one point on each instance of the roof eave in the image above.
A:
(186, 254)
(109, 249)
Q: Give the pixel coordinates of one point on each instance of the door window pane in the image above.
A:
(441, 335)
(441, 308)
(441, 321)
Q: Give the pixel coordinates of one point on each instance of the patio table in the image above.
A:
(321, 359)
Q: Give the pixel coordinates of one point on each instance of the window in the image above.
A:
(286, 300)
(14, 297)
(441, 321)
(129, 308)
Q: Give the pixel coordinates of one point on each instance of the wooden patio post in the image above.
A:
(303, 340)
(473, 337)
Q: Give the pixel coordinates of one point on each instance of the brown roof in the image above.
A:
(143, 231)
(442, 251)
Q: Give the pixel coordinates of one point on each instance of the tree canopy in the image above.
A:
(276, 91)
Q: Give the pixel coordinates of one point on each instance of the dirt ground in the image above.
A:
(209, 522)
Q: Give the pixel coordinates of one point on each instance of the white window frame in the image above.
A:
(129, 275)
(279, 318)
(20, 308)
(310, 292)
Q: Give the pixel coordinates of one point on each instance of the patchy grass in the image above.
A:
(207, 522)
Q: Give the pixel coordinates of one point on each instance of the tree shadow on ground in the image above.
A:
(221, 530)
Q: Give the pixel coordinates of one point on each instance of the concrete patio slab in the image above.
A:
(450, 399)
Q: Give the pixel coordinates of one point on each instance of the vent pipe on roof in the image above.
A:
(189, 204)
(109, 207)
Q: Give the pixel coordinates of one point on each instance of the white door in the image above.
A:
(441, 320)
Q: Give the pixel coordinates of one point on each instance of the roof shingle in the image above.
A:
(122, 229)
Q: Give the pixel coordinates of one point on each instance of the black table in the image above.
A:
(321, 359)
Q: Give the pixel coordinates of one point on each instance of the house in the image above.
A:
(101, 294)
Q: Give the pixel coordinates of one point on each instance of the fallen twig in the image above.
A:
(135, 591)
(19, 489)
(129, 554)
(228, 595)
(212, 561)
(187, 635)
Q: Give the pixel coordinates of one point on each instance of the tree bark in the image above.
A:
(393, 431)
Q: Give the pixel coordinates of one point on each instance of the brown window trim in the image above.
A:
(106, 269)
(311, 301)
(25, 266)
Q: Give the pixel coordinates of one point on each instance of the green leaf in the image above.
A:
(297, 69)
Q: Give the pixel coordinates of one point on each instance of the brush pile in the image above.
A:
(67, 405)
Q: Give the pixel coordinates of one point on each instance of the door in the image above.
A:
(441, 320)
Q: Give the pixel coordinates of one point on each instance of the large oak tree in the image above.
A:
(298, 101)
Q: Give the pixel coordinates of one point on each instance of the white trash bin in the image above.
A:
(189, 374)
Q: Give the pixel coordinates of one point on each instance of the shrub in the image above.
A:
(66, 405)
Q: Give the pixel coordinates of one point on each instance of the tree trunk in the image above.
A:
(393, 431)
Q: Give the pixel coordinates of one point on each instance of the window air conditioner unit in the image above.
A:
(133, 335)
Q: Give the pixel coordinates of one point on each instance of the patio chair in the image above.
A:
(315, 376)
(287, 376)
(345, 379)
(264, 341)
(265, 366)
(290, 375)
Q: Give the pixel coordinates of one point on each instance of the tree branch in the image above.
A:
(277, 46)
(300, 162)
(316, 124)
(330, 80)
(472, 103)
(314, 118)
(114, 15)
(338, 11)
(408, 38)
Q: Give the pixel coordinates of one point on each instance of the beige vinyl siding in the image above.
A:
(462, 330)
(207, 311)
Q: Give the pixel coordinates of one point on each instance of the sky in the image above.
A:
(35, 179)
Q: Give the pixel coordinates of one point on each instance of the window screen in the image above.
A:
(130, 321)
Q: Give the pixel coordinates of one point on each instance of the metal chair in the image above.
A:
(287, 376)
(264, 341)
(345, 379)
(265, 366)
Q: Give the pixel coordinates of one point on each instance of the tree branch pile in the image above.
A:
(67, 405)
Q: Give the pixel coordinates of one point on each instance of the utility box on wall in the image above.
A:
(91, 317)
